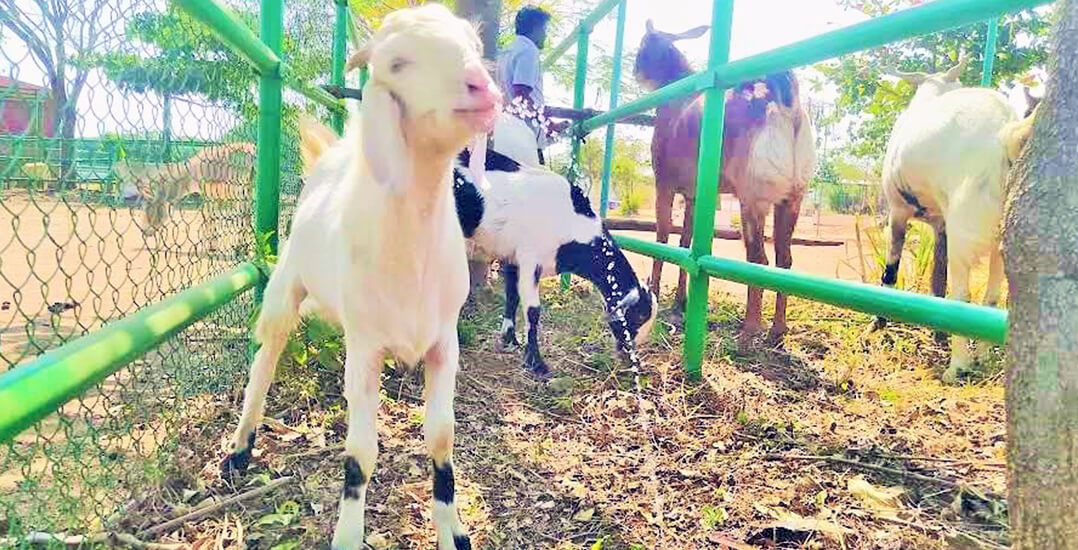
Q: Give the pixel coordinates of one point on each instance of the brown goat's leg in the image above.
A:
(939, 275)
(752, 233)
(686, 242)
(664, 206)
(786, 215)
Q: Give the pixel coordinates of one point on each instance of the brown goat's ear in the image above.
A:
(359, 59)
(953, 73)
(692, 33)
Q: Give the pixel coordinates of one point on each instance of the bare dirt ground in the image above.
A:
(837, 440)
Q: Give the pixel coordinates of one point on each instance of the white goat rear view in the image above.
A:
(946, 164)
(376, 247)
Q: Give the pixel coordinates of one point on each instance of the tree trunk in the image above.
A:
(486, 13)
(1040, 248)
(66, 113)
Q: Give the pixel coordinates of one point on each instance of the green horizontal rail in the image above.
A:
(925, 19)
(230, 29)
(667, 253)
(585, 25)
(980, 322)
(35, 390)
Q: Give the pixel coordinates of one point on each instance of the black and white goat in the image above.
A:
(538, 224)
(376, 247)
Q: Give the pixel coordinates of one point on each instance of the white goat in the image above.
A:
(376, 247)
(539, 224)
(946, 164)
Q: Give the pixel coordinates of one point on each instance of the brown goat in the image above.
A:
(768, 158)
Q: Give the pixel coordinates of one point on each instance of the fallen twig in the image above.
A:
(314, 452)
(856, 464)
(125, 539)
(211, 508)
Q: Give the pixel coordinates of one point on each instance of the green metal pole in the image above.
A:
(340, 38)
(578, 103)
(707, 188)
(268, 192)
(990, 52)
(615, 88)
(35, 390)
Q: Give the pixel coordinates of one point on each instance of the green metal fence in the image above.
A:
(117, 343)
(84, 292)
(947, 315)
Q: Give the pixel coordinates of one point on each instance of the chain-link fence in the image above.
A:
(127, 174)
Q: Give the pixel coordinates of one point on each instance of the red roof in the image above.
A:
(6, 82)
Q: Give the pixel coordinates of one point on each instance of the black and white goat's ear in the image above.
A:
(650, 26)
(384, 146)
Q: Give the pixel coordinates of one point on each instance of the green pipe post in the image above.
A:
(268, 191)
(990, 52)
(974, 321)
(707, 187)
(927, 18)
(615, 88)
(578, 103)
(340, 37)
(667, 253)
(35, 390)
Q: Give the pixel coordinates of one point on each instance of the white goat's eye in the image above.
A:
(397, 65)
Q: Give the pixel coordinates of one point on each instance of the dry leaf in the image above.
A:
(584, 515)
(881, 499)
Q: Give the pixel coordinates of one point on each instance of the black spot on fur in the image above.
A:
(461, 542)
(444, 486)
(495, 161)
(581, 204)
(890, 274)
(912, 201)
(533, 361)
(353, 478)
(469, 201)
(239, 460)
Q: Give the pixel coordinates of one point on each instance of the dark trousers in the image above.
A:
(541, 160)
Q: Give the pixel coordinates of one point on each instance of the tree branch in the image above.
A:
(10, 19)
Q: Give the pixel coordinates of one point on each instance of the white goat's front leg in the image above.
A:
(278, 315)
(528, 287)
(361, 380)
(440, 372)
(991, 295)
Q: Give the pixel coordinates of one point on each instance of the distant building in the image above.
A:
(26, 109)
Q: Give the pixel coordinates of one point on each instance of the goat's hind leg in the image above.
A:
(528, 286)
(511, 275)
(898, 220)
(279, 313)
(752, 233)
(440, 370)
(991, 297)
(786, 215)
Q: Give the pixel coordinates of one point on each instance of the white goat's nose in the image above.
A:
(480, 86)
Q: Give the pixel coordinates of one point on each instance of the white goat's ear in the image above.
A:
(692, 33)
(914, 78)
(477, 161)
(384, 146)
(650, 27)
(360, 58)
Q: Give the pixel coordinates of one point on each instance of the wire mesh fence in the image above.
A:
(127, 174)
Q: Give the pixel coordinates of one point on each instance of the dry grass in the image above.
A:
(568, 465)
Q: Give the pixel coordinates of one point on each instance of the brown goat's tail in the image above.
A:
(314, 139)
(1014, 135)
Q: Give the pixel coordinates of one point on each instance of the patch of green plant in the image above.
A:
(712, 516)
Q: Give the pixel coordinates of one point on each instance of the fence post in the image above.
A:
(707, 188)
(990, 52)
(615, 87)
(340, 37)
(578, 103)
(268, 191)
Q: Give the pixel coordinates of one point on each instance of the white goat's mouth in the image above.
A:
(481, 119)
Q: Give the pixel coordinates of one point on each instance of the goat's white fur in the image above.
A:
(376, 247)
(513, 138)
(951, 150)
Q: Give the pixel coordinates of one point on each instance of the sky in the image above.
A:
(755, 29)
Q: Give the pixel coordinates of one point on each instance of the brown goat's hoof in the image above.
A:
(775, 337)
